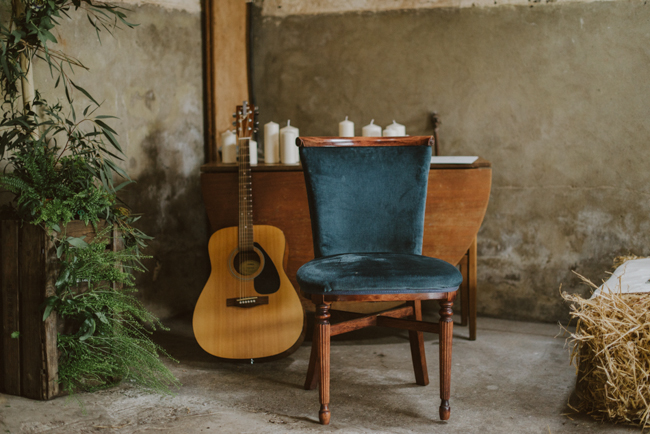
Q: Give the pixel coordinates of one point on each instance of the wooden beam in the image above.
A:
(227, 30)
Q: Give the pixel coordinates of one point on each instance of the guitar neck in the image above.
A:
(245, 196)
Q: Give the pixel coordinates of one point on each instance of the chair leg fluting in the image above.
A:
(446, 333)
(323, 331)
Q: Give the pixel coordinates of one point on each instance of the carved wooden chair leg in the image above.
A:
(417, 348)
(312, 371)
(323, 328)
(446, 331)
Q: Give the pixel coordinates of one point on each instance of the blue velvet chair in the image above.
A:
(366, 201)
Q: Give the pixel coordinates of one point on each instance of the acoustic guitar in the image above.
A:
(248, 309)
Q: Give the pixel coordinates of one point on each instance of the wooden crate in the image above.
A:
(28, 271)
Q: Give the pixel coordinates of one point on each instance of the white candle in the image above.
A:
(228, 147)
(288, 148)
(371, 130)
(271, 143)
(399, 130)
(228, 137)
(252, 149)
(346, 128)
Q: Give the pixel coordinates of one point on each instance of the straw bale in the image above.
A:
(610, 349)
(620, 260)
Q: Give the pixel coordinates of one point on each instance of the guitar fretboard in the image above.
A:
(245, 197)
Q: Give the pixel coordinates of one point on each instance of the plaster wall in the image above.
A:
(150, 77)
(284, 8)
(554, 95)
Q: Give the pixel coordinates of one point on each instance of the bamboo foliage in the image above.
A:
(62, 167)
(27, 80)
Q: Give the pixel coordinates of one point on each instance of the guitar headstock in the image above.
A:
(245, 120)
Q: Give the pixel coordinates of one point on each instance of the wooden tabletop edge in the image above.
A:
(263, 167)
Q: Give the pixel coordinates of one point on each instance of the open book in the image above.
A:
(453, 160)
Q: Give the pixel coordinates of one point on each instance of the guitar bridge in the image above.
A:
(247, 301)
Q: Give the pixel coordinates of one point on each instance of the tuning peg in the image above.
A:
(249, 128)
(257, 123)
(234, 115)
(234, 124)
(256, 130)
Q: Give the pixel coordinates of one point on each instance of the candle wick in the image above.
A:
(289, 122)
(372, 122)
(346, 118)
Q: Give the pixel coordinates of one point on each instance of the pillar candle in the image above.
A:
(371, 130)
(346, 128)
(228, 147)
(253, 152)
(271, 143)
(399, 130)
(288, 148)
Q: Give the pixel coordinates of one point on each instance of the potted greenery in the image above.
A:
(59, 161)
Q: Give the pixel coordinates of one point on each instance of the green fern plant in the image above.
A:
(61, 167)
(109, 340)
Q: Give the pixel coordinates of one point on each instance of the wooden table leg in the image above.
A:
(471, 269)
(464, 290)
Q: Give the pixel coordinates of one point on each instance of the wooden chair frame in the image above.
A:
(407, 317)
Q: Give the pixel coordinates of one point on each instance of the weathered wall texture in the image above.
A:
(555, 96)
(183, 5)
(151, 78)
(284, 8)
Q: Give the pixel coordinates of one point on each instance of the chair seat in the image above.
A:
(377, 273)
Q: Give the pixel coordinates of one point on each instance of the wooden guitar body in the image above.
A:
(232, 318)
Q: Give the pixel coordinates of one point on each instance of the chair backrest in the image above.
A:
(366, 194)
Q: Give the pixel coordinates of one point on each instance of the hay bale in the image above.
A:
(611, 352)
(620, 260)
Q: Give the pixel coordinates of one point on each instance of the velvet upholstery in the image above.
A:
(366, 199)
(367, 212)
(377, 273)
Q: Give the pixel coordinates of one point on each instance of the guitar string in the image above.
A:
(249, 195)
(245, 258)
(244, 162)
(240, 229)
(245, 230)
(244, 247)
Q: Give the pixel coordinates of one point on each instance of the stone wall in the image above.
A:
(553, 94)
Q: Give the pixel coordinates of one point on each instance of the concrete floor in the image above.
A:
(515, 378)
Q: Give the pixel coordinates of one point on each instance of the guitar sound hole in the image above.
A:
(246, 263)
